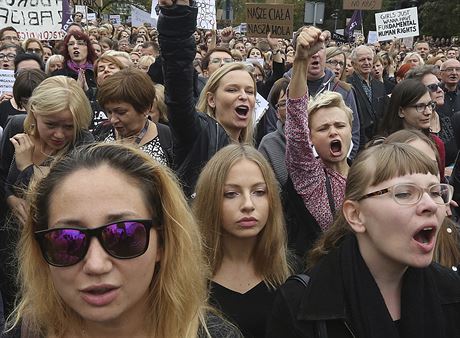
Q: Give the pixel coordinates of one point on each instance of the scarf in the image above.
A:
(421, 312)
(76, 67)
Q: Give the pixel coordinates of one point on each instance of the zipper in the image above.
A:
(217, 137)
(349, 329)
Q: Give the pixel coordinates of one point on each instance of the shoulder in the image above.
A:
(16, 123)
(448, 283)
(217, 327)
(342, 84)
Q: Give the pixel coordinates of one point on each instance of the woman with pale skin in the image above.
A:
(375, 259)
(414, 59)
(349, 68)
(377, 68)
(109, 232)
(225, 107)
(325, 124)
(336, 61)
(33, 46)
(239, 212)
(55, 62)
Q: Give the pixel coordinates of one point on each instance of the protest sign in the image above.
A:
(91, 17)
(34, 19)
(6, 81)
(401, 23)
(139, 17)
(275, 18)
(338, 38)
(153, 10)
(372, 37)
(206, 14)
(362, 4)
(260, 108)
(115, 19)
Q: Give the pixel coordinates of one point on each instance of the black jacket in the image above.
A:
(196, 136)
(370, 113)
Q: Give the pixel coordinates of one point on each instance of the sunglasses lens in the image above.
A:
(125, 239)
(63, 247)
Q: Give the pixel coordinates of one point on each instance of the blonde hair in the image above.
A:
(409, 55)
(54, 95)
(145, 61)
(270, 250)
(328, 99)
(51, 59)
(119, 54)
(178, 289)
(160, 102)
(213, 84)
(371, 167)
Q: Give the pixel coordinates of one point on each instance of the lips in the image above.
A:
(247, 222)
(99, 295)
(242, 111)
(425, 237)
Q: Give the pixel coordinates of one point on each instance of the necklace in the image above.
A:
(142, 133)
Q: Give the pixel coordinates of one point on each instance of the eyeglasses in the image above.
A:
(410, 194)
(34, 50)
(281, 104)
(421, 107)
(334, 63)
(67, 246)
(10, 38)
(9, 56)
(451, 70)
(221, 60)
(78, 43)
(433, 87)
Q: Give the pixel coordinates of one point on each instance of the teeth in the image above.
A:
(427, 229)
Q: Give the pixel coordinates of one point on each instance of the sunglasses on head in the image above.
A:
(67, 246)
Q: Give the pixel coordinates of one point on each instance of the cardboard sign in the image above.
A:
(6, 81)
(115, 19)
(339, 38)
(362, 4)
(402, 23)
(372, 37)
(35, 19)
(206, 14)
(139, 17)
(264, 18)
(260, 108)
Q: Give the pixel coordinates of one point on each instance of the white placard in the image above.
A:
(82, 9)
(91, 16)
(153, 11)
(206, 14)
(139, 17)
(260, 108)
(372, 37)
(115, 19)
(402, 23)
(41, 20)
(6, 81)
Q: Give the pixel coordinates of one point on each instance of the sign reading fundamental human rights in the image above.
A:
(402, 23)
(39, 19)
(264, 18)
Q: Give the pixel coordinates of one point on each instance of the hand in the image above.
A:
(19, 208)
(226, 34)
(23, 150)
(272, 42)
(309, 42)
(6, 97)
(82, 80)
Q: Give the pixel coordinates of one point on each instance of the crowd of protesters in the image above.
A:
(333, 213)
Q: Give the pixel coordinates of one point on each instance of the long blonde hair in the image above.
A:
(213, 84)
(270, 251)
(177, 294)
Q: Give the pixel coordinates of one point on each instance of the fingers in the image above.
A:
(21, 141)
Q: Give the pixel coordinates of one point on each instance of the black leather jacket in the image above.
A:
(196, 136)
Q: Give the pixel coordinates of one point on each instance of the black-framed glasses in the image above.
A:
(410, 194)
(67, 246)
(421, 107)
(334, 63)
(433, 87)
(9, 56)
(221, 60)
(34, 50)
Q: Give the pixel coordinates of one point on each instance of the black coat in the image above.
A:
(370, 112)
(196, 136)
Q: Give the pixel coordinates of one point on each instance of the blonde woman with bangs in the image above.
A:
(58, 116)
(239, 212)
(371, 274)
(111, 249)
(224, 111)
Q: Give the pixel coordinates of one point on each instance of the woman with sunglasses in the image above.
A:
(239, 212)
(371, 275)
(411, 107)
(225, 108)
(111, 250)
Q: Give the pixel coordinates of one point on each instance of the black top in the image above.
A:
(7, 110)
(248, 311)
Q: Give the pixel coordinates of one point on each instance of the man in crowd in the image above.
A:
(9, 35)
(370, 93)
(423, 48)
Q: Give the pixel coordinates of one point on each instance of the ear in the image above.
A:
(211, 99)
(354, 216)
(401, 113)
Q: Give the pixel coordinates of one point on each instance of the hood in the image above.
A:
(329, 74)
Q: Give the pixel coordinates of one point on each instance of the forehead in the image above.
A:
(64, 116)
(328, 115)
(429, 79)
(423, 45)
(240, 77)
(9, 33)
(451, 63)
(8, 50)
(364, 53)
(219, 54)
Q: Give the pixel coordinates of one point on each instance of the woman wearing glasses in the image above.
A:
(336, 61)
(111, 250)
(226, 104)
(79, 57)
(411, 107)
(372, 274)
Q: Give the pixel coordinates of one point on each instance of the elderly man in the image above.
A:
(370, 93)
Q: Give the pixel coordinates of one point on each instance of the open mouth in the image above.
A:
(336, 148)
(76, 53)
(425, 236)
(315, 63)
(242, 111)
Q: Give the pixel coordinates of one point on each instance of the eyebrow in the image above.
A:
(108, 219)
(232, 185)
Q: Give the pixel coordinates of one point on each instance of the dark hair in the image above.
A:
(19, 49)
(405, 93)
(153, 44)
(26, 81)
(207, 56)
(108, 41)
(76, 24)
(6, 29)
(128, 85)
(28, 56)
(79, 36)
(279, 86)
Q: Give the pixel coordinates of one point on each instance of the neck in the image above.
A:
(234, 134)
(238, 250)
(451, 87)
(366, 77)
(81, 62)
(132, 328)
(341, 167)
